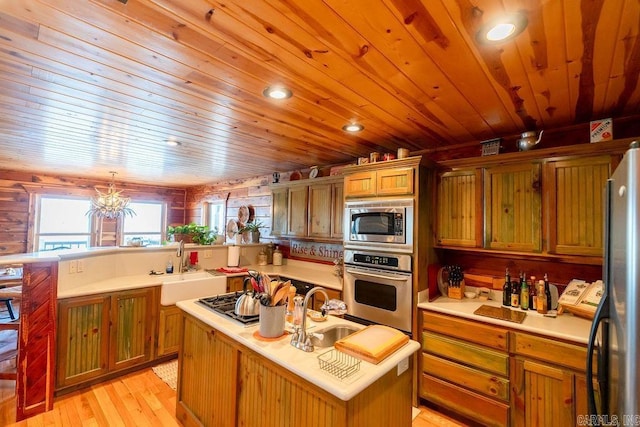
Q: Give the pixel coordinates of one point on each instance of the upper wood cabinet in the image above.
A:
(310, 208)
(574, 190)
(512, 207)
(297, 217)
(382, 182)
(459, 216)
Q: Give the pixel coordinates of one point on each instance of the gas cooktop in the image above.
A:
(225, 305)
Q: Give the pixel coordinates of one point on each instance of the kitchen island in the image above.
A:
(229, 376)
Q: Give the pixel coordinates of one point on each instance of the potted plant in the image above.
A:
(192, 233)
(251, 232)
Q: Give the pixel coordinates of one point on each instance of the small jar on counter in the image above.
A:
(277, 256)
(262, 258)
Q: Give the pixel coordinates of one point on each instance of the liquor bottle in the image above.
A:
(515, 294)
(506, 289)
(524, 292)
(532, 294)
(541, 306)
(547, 292)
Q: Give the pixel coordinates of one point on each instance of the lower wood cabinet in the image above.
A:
(235, 283)
(222, 383)
(169, 330)
(459, 374)
(499, 376)
(318, 300)
(99, 334)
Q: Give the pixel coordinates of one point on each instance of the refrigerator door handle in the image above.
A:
(601, 316)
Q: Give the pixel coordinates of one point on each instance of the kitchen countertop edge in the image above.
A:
(566, 326)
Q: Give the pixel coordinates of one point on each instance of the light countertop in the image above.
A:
(300, 363)
(565, 326)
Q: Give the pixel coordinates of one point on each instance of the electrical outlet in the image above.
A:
(208, 253)
(403, 365)
(80, 268)
(73, 266)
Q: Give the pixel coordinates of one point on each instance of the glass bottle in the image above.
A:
(542, 298)
(515, 294)
(506, 289)
(532, 294)
(547, 292)
(297, 310)
(524, 292)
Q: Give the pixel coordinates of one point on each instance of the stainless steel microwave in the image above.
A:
(385, 223)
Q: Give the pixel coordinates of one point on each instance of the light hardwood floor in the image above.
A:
(141, 399)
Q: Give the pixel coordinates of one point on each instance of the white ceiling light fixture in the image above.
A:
(277, 92)
(173, 143)
(353, 127)
(110, 205)
(502, 29)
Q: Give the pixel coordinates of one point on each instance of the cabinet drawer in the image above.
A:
(482, 382)
(473, 405)
(564, 354)
(490, 336)
(465, 353)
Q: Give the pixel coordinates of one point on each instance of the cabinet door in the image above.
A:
(83, 339)
(396, 181)
(318, 300)
(320, 210)
(360, 184)
(459, 204)
(207, 376)
(279, 211)
(133, 318)
(235, 283)
(337, 214)
(542, 395)
(298, 211)
(169, 330)
(576, 201)
(513, 215)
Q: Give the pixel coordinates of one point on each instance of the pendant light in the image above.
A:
(110, 205)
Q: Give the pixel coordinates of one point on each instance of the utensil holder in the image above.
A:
(456, 292)
(272, 321)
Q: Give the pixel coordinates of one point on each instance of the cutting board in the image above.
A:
(373, 343)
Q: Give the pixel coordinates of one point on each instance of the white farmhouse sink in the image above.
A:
(179, 287)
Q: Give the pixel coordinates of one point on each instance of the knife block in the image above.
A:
(456, 292)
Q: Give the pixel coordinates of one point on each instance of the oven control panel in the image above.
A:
(385, 261)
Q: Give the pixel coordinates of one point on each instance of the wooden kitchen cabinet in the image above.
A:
(382, 182)
(310, 208)
(279, 211)
(547, 381)
(298, 211)
(169, 330)
(208, 368)
(100, 334)
(235, 283)
(465, 368)
(513, 215)
(575, 191)
(459, 221)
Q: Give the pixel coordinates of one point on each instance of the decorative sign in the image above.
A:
(491, 147)
(315, 250)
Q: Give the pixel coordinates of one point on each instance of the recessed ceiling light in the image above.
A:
(353, 127)
(173, 143)
(502, 29)
(277, 92)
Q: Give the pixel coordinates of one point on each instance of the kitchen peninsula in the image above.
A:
(230, 376)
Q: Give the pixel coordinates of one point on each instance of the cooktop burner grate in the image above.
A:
(225, 305)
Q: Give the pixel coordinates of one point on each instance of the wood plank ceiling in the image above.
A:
(93, 86)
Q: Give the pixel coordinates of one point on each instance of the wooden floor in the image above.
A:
(140, 399)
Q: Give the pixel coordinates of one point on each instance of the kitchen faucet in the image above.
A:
(300, 339)
(180, 254)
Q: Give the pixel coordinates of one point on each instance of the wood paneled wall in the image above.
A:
(16, 219)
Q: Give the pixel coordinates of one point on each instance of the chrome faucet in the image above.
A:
(300, 339)
(180, 254)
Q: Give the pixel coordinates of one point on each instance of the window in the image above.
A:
(147, 224)
(62, 223)
(214, 216)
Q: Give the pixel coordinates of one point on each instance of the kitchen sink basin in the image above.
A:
(327, 337)
(179, 287)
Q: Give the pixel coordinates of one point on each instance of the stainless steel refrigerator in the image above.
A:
(614, 333)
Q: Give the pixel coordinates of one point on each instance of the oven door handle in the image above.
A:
(378, 276)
